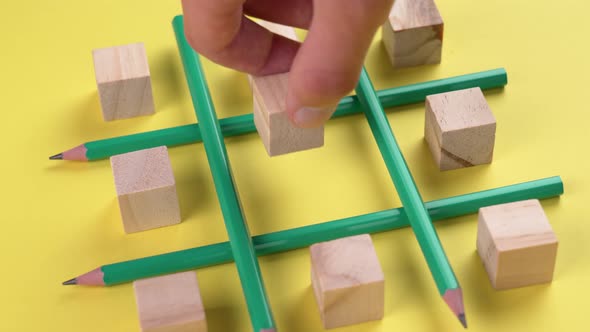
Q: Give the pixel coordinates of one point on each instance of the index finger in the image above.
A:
(219, 31)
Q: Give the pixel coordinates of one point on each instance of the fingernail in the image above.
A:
(311, 116)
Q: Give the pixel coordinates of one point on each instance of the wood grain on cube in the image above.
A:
(413, 34)
(278, 134)
(460, 129)
(123, 80)
(170, 303)
(516, 244)
(347, 280)
(146, 189)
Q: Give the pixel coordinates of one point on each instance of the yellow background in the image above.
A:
(61, 218)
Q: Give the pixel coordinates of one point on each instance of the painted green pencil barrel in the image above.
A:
(301, 237)
(243, 124)
(433, 251)
(240, 240)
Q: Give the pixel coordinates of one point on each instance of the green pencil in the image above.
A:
(272, 243)
(243, 124)
(441, 270)
(235, 222)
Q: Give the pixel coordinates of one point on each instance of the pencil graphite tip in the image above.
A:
(454, 299)
(72, 281)
(58, 156)
(463, 320)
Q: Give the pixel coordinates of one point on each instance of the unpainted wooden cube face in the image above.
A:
(516, 244)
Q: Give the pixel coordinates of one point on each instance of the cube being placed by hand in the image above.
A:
(279, 135)
(146, 189)
(516, 244)
(460, 129)
(347, 280)
(123, 80)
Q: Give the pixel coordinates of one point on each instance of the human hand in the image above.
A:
(322, 70)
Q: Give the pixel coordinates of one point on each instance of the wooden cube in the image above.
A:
(460, 129)
(146, 189)
(516, 244)
(413, 34)
(347, 280)
(123, 80)
(170, 303)
(278, 134)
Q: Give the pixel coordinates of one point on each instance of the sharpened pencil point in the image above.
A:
(454, 299)
(58, 156)
(72, 281)
(463, 320)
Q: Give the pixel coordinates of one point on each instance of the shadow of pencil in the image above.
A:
(67, 167)
(493, 92)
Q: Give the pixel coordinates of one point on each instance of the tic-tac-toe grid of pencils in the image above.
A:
(496, 242)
